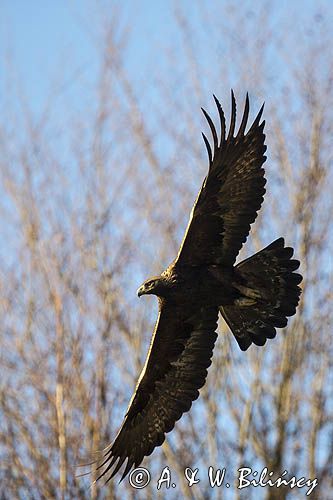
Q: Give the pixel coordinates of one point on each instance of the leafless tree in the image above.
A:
(94, 203)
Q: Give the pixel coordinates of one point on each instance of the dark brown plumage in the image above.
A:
(254, 297)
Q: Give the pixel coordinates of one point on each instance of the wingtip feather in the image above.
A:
(212, 127)
(209, 149)
(233, 116)
(245, 116)
(222, 119)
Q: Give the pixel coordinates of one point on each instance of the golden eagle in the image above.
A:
(254, 297)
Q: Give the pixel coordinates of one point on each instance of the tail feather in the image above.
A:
(269, 276)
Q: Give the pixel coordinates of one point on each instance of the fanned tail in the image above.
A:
(271, 294)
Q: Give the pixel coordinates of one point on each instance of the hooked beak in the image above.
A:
(140, 291)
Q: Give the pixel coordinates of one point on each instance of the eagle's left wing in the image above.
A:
(231, 194)
(175, 369)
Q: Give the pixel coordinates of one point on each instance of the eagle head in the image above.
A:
(151, 286)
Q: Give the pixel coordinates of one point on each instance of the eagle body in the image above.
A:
(202, 285)
(254, 296)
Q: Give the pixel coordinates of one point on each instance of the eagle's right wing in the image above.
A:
(175, 369)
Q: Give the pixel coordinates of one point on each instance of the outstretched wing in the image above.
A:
(176, 367)
(231, 194)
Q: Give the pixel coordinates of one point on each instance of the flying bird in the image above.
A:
(254, 297)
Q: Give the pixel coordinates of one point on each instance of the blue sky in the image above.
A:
(43, 37)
